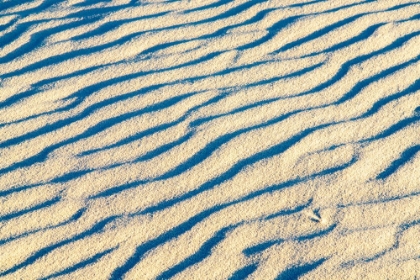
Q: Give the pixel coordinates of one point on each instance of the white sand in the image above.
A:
(210, 139)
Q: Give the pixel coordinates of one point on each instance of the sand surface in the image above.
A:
(237, 139)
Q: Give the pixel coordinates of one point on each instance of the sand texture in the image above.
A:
(209, 139)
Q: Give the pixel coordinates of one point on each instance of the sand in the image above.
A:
(210, 139)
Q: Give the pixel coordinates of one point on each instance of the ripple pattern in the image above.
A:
(245, 139)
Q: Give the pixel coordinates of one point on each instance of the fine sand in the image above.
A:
(209, 139)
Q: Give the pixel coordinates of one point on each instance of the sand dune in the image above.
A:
(210, 139)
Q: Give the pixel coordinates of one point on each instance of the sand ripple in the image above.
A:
(209, 139)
